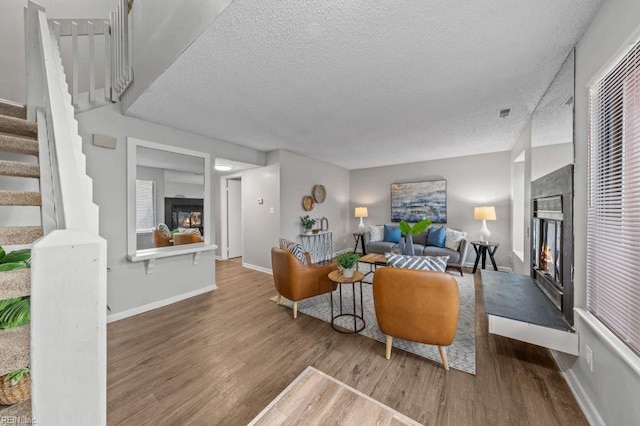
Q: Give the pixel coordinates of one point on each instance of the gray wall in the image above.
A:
(128, 285)
(261, 227)
(471, 181)
(298, 176)
(609, 392)
(548, 158)
(523, 211)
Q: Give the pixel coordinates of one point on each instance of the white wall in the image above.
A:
(129, 286)
(298, 176)
(261, 227)
(610, 392)
(521, 172)
(12, 75)
(471, 181)
(549, 158)
(162, 30)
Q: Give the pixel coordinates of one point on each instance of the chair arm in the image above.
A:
(464, 245)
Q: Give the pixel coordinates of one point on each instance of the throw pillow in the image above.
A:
(293, 248)
(422, 263)
(392, 234)
(376, 233)
(190, 231)
(452, 238)
(164, 229)
(436, 237)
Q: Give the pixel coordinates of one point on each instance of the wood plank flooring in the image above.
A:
(220, 358)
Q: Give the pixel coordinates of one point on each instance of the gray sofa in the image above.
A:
(456, 258)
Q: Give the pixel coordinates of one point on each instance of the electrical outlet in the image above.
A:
(589, 356)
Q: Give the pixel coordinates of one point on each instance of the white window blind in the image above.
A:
(145, 205)
(613, 224)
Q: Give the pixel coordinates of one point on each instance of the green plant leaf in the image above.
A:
(404, 227)
(17, 256)
(15, 376)
(8, 302)
(347, 260)
(420, 226)
(2, 253)
(12, 266)
(16, 314)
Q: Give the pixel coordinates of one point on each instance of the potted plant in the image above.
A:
(307, 223)
(15, 387)
(347, 262)
(409, 231)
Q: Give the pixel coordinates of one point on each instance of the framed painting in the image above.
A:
(416, 201)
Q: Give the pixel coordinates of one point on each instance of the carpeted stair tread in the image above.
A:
(16, 283)
(19, 235)
(14, 349)
(18, 126)
(10, 110)
(21, 410)
(19, 169)
(20, 198)
(18, 145)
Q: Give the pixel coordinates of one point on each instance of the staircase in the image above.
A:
(18, 152)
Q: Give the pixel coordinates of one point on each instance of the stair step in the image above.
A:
(14, 349)
(19, 235)
(18, 145)
(10, 110)
(21, 410)
(20, 198)
(16, 283)
(18, 126)
(19, 169)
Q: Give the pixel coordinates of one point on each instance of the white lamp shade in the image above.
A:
(484, 213)
(361, 212)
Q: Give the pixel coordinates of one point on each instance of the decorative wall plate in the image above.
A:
(307, 203)
(319, 193)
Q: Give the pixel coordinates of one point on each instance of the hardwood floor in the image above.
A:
(220, 358)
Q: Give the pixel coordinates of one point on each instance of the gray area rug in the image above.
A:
(461, 353)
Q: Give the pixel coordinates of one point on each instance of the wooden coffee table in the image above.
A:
(374, 260)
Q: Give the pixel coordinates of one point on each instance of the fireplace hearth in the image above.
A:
(552, 238)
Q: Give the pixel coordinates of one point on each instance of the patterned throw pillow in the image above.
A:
(195, 231)
(294, 248)
(164, 229)
(423, 263)
(376, 233)
(452, 238)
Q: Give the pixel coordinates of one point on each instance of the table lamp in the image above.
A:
(484, 214)
(361, 212)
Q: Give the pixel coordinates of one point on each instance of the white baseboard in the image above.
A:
(585, 403)
(159, 304)
(257, 268)
(219, 257)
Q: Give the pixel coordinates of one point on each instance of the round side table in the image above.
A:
(337, 278)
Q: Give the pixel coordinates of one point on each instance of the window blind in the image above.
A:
(145, 205)
(613, 217)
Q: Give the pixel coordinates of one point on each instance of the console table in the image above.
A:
(319, 246)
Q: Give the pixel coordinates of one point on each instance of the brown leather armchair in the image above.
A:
(419, 306)
(186, 238)
(295, 281)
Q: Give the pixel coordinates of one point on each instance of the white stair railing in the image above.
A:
(68, 270)
(115, 65)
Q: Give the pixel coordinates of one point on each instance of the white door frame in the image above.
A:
(224, 231)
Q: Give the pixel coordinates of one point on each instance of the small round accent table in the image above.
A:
(337, 278)
(482, 248)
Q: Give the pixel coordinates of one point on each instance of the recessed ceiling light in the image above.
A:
(223, 167)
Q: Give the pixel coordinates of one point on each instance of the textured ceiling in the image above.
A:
(361, 84)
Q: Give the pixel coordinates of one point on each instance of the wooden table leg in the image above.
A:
(475, 265)
(493, 260)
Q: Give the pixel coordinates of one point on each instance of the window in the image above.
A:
(145, 205)
(613, 224)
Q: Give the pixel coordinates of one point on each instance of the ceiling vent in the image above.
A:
(504, 113)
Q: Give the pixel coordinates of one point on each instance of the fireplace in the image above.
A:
(184, 213)
(552, 238)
